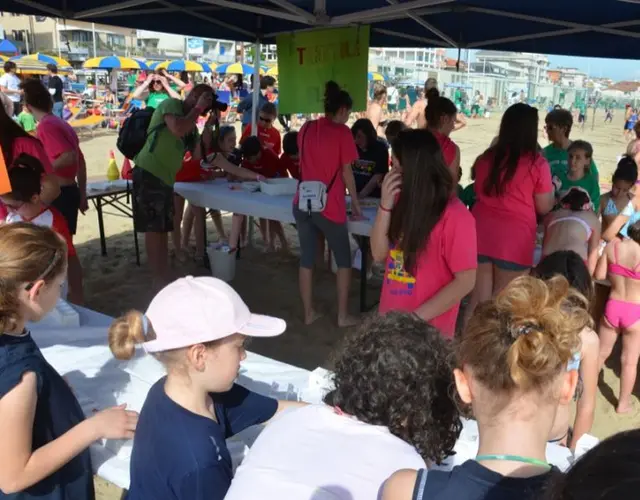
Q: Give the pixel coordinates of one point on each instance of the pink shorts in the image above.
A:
(621, 314)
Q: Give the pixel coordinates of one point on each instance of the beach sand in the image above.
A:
(268, 282)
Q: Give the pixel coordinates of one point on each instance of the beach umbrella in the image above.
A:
(376, 77)
(273, 71)
(3, 58)
(183, 65)
(58, 61)
(143, 64)
(34, 67)
(111, 62)
(6, 47)
(236, 69)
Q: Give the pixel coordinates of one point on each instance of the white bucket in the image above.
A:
(222, 262)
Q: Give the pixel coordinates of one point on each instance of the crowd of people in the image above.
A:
(520, 354)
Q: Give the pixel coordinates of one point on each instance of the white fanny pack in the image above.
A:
(312, 195)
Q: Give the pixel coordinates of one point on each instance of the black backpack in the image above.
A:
(134, 132)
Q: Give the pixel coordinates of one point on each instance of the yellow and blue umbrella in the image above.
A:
(376, 77)
(3, 58)
(236, 69)
(58, 61)
(143, 64)
(112, 62)
(183, 65)
(273, 71)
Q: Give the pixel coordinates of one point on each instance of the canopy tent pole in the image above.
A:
(256, 87)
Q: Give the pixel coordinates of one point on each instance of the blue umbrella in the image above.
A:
(235, 69)
(6, 47)
(182, 65)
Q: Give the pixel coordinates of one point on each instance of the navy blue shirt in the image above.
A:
(373, 161)
(473, 481)
(57, 411)
(246, 107)
(178, 455)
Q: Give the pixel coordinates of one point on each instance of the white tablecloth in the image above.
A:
(218, 194)
(100, 381)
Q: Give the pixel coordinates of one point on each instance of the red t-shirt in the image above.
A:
(288, 164)
(448, 148)
(451, 249)
(507, 224)
(49, 217)
(269, 138)
(58, 137)
(325, 148)
(267, 165)
(191, 171)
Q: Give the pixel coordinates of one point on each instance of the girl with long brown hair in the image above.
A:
(425, 235)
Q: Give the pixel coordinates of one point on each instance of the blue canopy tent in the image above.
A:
(596, 28)
(6, 47)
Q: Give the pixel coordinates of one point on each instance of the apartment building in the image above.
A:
(74, 40)
(407, 62)
(514, 65)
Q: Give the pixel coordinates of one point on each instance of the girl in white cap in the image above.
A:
(197, 328)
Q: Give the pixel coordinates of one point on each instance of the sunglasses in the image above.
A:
(265, 119)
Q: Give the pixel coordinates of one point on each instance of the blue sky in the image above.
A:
(616, 69)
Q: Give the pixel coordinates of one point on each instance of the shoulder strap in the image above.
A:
(302, 148)
(335, 176)
(421, 482)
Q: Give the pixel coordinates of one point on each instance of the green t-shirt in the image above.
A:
(168, 150)
(562, 184)
(156, 98)
(468, 195)
(27, 121)
(558, 159)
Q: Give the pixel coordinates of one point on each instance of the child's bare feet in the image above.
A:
(311, 317)
(348, 321)
(623, 407)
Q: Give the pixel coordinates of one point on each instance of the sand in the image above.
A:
(114, 284)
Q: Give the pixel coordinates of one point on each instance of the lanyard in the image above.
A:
(514, 458)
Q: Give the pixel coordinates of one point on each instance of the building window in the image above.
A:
(18, 36)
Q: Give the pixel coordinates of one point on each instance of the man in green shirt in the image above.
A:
(558, 124)
(172, 131)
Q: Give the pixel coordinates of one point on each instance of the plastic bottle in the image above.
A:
(113, 174)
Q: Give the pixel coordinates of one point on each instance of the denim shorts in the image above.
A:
(504, 265)
(311, 225)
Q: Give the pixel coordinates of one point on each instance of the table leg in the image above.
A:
(135, 242)
(103, 241)
(364, 248)
(205, 257)
(250, 237)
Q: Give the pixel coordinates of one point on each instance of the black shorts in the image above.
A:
(581, 118)
(152, 203)
(68, 204)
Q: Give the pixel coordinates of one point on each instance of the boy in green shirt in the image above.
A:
(26, 120)
(578, 174)
(558, 124)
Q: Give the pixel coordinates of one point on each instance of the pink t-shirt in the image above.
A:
(33, 147)
(448, 148)
(58, 137)
(325, 147)
(451, 249)
(506, 224)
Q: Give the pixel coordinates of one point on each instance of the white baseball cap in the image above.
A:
(192, 310)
